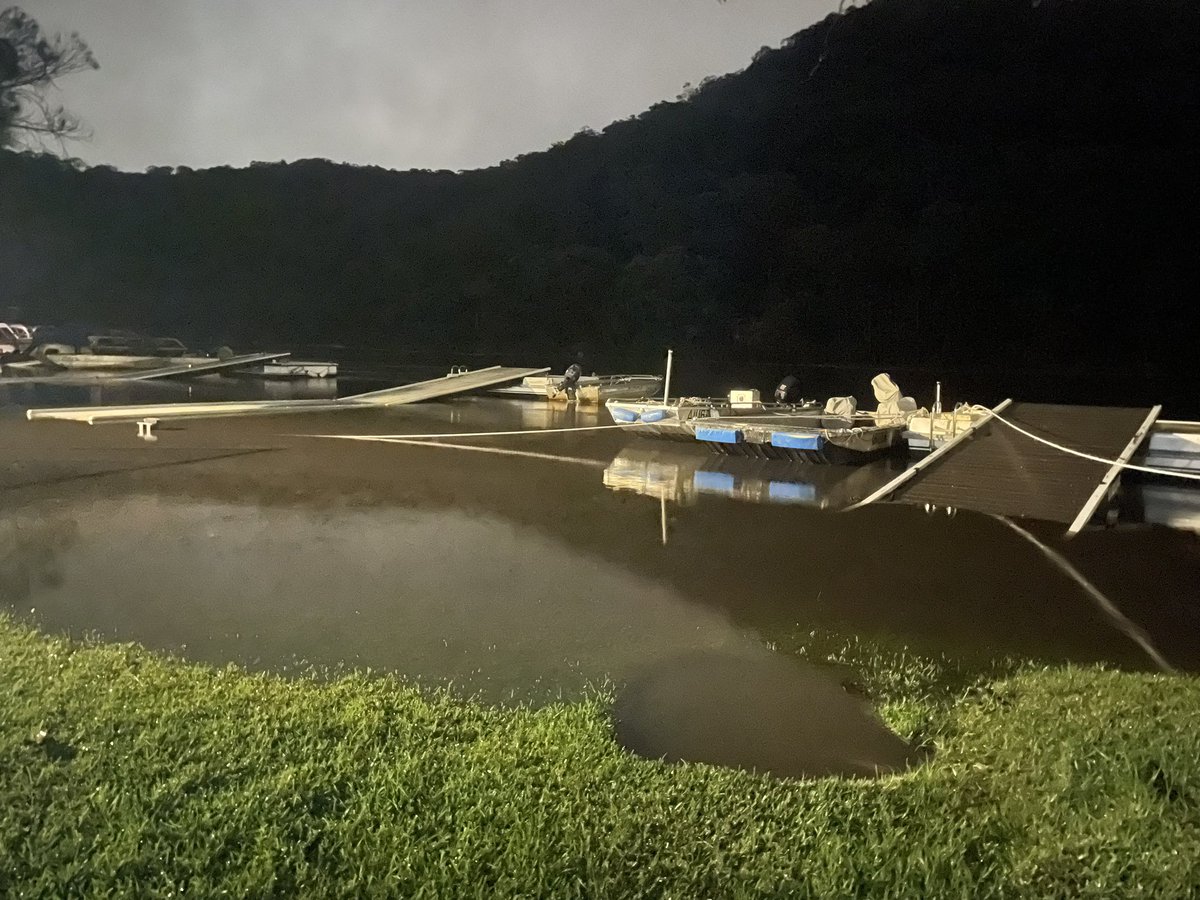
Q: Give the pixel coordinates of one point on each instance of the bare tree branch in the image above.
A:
(30, 62)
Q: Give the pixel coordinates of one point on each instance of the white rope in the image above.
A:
(1100, 459)
(1127, 627)
(785, 415)
(467, 434)
(499, 451)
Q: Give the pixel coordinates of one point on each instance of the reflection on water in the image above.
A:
(444, 596)
(1168, 504)
(247, 541)
(664, 471)
(768, 713)
(20, 392)
(30, 552)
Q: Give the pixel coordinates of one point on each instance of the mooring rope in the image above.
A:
(468, 434)
(417, 438)
(1090, 456)
(1123, 623)
(576, 428)
(500, 451)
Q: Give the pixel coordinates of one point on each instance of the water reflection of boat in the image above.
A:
(310, 520)
(682, 477)
(297, 388)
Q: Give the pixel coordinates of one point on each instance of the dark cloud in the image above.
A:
(399, 83)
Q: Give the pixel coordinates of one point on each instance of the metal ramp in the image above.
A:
(1005, 473)
(455, 383)
(458, 382)
(213, 365)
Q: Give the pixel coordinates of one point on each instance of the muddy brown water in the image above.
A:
(770, 714)
(533, 567)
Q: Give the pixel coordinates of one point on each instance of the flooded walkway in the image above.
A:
(537, 565)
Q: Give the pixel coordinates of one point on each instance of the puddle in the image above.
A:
(767, 713)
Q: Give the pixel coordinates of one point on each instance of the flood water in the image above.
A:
(533, 567)
(773, 714)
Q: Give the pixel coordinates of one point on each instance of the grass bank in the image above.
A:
(124, 773)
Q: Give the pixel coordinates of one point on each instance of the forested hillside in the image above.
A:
(958, 181)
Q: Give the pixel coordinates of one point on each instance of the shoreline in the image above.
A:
(126, 771)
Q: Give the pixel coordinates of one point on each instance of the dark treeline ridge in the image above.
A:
(959, 182)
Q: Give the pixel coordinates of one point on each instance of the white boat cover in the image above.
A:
(839, 412)
(841, 407)
(894, 409)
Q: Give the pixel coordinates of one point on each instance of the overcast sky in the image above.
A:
(439, 84)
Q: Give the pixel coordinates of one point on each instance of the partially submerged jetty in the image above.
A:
(457, 382)
(1049, 462)
(1052, 462)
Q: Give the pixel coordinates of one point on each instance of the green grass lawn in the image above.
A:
(123, 773)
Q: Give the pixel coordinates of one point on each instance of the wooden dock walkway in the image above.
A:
(458, 382)
(1003, 472)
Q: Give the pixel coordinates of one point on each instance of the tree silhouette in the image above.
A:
(30, 61)
(961, 185)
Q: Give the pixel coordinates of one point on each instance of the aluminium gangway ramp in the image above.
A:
(1003, 472)
(200, 368)
(447, 385)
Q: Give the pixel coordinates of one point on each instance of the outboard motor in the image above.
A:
(570, 379)
(788, 390)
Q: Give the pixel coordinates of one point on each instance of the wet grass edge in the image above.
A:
(124, 772)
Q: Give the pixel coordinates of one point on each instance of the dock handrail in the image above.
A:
(904, 476)
(1101, 491)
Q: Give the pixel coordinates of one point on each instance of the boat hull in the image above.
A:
(590, 390)
(821, 446)
(654, 418)
(116, 362)
(289, 369)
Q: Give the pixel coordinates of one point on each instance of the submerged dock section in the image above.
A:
(446, 386)
(1001, 471)
(205, 367)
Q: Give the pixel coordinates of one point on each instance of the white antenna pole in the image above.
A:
(667, 382)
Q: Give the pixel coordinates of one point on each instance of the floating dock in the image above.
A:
(293, 368)
(995, 469)
(458, 382)
(1172, 445)
(799, 439)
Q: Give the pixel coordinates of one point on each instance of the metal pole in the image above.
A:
(937, 411)
(1114, 472)
(667, 381)
(663, 517)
